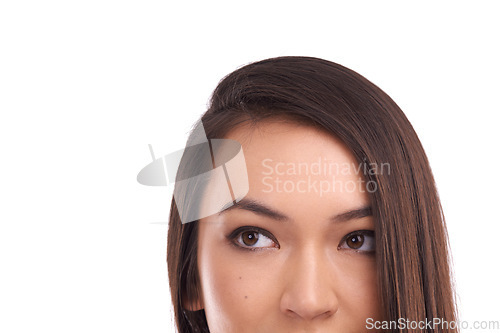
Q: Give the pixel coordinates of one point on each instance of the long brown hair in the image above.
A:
(414, 280)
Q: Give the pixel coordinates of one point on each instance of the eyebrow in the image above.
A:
(261, 209)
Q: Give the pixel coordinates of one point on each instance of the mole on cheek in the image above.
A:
(245, 295)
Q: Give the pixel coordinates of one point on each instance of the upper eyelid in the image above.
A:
(361, 231)
(365, 232)
(239, 230)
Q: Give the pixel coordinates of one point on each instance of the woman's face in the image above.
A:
(297, 253)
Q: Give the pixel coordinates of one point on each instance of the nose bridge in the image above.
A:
(309, 291)
(311, 266)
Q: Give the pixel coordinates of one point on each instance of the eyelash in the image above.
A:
(235, 236)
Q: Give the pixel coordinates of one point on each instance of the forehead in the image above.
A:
(289, 140)
(299, 168)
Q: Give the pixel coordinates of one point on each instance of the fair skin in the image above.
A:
(284, 259)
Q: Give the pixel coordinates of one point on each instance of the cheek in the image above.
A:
(237, 291)
(358, 294)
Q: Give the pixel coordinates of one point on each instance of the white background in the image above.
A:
(86, 85)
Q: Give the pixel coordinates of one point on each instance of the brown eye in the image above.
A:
(355, 241)
(249, 238)
(359, 241)
(253, 238)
